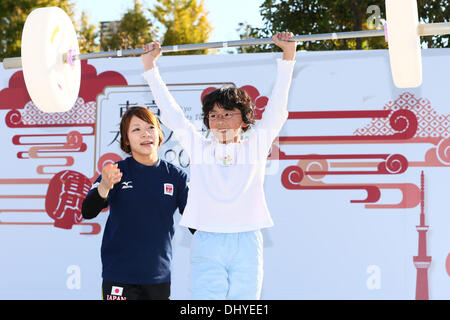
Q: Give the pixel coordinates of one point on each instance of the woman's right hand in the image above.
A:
(111, 175)
(152, 52)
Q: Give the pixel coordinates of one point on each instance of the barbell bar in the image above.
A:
(50, 56)
(14, 63)
(430, 29)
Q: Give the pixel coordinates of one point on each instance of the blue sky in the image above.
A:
(224, 15)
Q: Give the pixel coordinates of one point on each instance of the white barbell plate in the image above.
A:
(404, 43)
(52, 84)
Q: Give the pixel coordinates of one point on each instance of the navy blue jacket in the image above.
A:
(136, 246)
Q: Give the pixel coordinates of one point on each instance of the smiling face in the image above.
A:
(228, 111)
(226, 125)
(143, 138)
(141, 135)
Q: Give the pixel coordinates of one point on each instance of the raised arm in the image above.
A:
(281, 39)
(276, 113)
(171, 113)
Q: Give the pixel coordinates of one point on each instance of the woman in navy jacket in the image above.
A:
(142, 192)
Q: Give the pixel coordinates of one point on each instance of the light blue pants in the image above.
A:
(226, 266)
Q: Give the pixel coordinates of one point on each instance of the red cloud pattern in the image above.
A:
(16, 95)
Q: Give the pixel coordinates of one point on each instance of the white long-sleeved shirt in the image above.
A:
(226, 188)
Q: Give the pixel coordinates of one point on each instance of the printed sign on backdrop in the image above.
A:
(356, 182)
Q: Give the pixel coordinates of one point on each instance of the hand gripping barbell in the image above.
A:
(51, 60)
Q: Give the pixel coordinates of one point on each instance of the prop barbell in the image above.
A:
(51, 60)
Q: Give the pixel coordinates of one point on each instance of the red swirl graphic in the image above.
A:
(394, 164)
(443, 151)
(317, 165)
(13, 118)
(107, 158)
(404, 122)
(292, 177)
(74, 140)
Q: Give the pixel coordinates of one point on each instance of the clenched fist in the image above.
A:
(111, 174)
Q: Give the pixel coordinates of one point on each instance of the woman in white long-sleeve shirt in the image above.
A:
(226, 202)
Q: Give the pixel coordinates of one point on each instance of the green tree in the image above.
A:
(13, 14)
(110, 37)
(246, 32)
(87, 35)
(434, 12)
(185, 21)
(326, 16)
(132, 31)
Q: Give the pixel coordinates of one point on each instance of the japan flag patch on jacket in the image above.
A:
(168, 189)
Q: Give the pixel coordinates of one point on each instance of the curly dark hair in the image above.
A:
(228, 98)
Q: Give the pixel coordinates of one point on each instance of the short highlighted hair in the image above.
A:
(143, 114)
